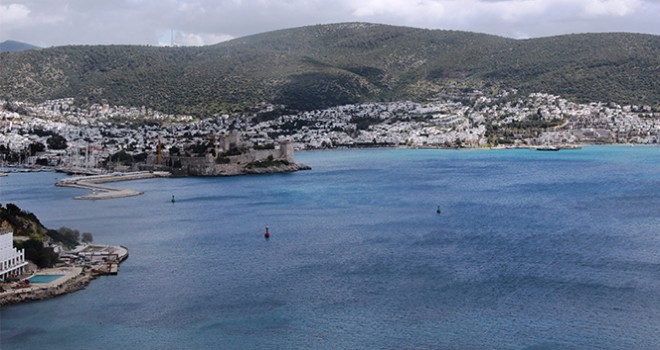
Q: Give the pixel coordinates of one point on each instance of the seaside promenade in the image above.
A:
(93, 182)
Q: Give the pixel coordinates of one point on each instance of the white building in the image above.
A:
(12, 261)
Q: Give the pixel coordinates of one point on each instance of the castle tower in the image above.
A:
(159, 160)
(286, 150)
(232, 140)
(215, 145)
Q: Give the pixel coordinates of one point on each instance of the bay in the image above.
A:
(532, 250)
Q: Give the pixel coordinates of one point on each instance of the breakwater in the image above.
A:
(93, 182)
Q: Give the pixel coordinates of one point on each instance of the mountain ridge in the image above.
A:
(16, 46)
(327, 65)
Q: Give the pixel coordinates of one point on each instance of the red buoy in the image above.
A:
(267, 234)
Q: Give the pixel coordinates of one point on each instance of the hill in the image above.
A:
(25, 224)
(326, 65)
(16, 46)
(31, 235)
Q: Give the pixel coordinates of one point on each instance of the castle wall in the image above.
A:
(207, 166)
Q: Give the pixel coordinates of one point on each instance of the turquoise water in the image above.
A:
(532, 250)
(44, 278)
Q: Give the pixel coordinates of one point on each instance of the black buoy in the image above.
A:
(438, 211)
(267, 234)
(173, 199)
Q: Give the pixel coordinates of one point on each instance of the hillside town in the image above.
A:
(61, 133)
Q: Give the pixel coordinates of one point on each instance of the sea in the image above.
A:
(371, 249)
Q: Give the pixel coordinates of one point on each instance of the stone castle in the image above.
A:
(230, 156)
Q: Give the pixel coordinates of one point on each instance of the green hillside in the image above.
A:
(325, 65)
(31, 235)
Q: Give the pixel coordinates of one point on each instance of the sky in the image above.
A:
(48, 23)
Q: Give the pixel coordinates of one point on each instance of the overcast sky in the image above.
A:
(201, 22)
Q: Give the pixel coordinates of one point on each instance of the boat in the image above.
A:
(556, 148)
(547, 148)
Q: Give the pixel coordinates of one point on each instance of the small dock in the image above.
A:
(100, 259)
(107, 269)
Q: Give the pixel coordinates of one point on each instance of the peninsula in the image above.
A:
(231, 157)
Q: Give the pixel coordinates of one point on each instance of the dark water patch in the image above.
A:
(13, 336)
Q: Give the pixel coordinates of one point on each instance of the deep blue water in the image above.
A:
(532, 250)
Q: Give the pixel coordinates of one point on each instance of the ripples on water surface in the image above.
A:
(533, 250)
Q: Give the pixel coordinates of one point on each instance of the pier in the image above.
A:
(93, 182)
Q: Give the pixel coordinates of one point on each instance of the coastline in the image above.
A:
(74, 278)
(575, 146)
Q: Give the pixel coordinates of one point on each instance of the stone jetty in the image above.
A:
(93, 182)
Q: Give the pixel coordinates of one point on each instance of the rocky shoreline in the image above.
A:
(71, 285)
(291, 168)
(72, 278)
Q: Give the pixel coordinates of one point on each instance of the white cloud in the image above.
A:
(195, 39)
(13, 13)
(511, 11)
(203, 22)
(403, 8)
(611, 7)
(191, 39)
(211, 39)
(506, 10)
(511, 17)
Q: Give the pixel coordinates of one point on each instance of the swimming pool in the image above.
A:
(44, 278)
